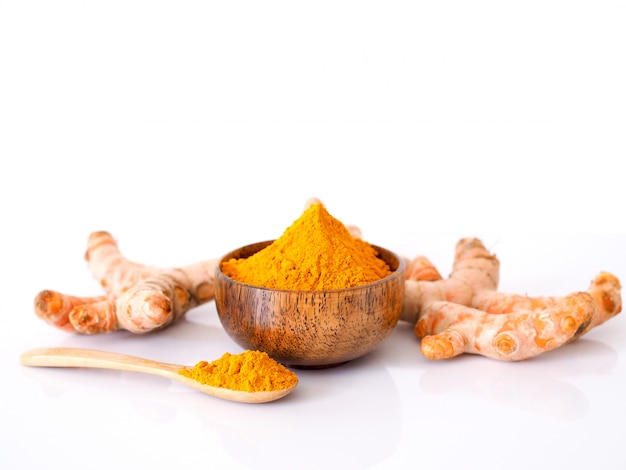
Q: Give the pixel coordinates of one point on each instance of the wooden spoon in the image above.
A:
(78, 357)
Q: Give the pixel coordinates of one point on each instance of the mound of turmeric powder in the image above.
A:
(250, 371)
(317, 252)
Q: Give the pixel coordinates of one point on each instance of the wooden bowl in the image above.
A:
(310, 329)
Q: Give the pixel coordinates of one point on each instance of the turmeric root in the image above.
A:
(466, 314)
(138, 298)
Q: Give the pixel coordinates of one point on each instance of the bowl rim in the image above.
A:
(399, 271)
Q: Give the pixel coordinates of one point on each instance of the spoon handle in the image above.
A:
(79, 357)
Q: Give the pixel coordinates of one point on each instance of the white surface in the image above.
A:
(188, 129)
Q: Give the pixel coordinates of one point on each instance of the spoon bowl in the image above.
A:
(91, 358)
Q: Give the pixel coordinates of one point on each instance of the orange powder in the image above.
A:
(316, 252)
(250, 371)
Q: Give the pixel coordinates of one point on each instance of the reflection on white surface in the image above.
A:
(539, 386)
(352, 421)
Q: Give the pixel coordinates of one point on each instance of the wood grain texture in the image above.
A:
(310, 329)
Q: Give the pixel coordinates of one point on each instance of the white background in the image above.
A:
(188, 129)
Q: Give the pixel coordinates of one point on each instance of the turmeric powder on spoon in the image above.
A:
(317, 252)
(250, 371)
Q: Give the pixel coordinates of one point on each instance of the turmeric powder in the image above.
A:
(250, 371)
(317, 252)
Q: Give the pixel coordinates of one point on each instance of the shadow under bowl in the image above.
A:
(310, 329)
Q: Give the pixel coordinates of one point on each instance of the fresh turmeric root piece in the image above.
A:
(475, 270)
(138, 298)
(466, 314)
(421, 269)
(448, 329)
(55, 308)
